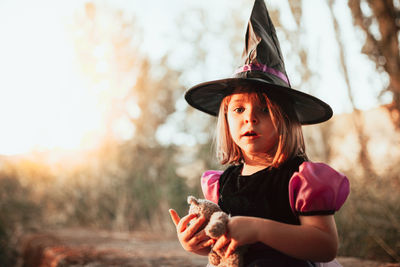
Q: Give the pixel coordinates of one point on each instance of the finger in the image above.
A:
(196, 225)
(206, 243)
(221, 243)
(174, 216)
(231, 248)
(199, 237)
(182, 225)
(192, 233)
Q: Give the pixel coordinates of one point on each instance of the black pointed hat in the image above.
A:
(263, 68)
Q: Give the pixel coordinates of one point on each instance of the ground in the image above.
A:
(80, 247)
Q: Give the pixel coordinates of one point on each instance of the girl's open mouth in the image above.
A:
(250, 134)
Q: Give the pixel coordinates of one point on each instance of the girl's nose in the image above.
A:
(251, 117)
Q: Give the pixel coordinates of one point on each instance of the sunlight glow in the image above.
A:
(45, 101)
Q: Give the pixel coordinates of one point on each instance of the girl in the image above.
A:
(281, 204)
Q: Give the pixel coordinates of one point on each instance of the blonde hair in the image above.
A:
(284, 119)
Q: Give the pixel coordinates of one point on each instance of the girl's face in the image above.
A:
(250, 124)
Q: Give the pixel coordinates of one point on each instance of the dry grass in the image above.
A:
(79, 247)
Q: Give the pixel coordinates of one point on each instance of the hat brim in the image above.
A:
(207, 97)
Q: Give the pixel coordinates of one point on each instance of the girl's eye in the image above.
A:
(238, 110)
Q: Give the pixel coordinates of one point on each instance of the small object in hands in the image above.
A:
(215, 226)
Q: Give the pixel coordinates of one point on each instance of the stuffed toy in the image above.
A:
(215, 226)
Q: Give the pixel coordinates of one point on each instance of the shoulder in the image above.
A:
(210, 176)
(286, 170)
(317, 188)
(319, 173)
(210, 184)
(293, 164)
(212, 179)
(231, 171)
(215, 176)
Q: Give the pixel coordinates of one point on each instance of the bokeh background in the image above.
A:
(95, 132)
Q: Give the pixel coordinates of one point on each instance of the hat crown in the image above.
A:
(262, 51)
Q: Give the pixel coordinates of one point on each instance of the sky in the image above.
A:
(42, 98)
(46, 102)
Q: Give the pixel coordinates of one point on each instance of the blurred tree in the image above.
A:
(132, 179)
(382, 47)
(380, 21)
(358, 119)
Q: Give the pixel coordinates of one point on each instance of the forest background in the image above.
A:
(96, 133)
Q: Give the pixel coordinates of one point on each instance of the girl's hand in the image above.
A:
(189, 237)
(241, 231)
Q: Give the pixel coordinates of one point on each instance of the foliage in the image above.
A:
(369, 224)
(18, 212)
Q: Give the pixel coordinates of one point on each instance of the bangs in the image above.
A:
(256, 97)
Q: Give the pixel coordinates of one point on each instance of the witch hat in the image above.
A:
(263, 68)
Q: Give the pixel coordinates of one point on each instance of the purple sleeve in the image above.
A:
(210, 185)
(317, 189)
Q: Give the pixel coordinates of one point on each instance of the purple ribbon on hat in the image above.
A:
(263, 68)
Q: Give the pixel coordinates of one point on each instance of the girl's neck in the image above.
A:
(251, 169)
(256, 163)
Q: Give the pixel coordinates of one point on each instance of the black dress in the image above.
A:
(263, 194)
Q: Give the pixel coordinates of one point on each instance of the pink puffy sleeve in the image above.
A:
(210, 185)
(317, 189)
